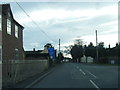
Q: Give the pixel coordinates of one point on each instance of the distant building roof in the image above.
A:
(45, 50)
(36, 55)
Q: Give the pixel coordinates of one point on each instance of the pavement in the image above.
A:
(27, 83)
(75, 75)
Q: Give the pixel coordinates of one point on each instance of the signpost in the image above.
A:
(51, 51)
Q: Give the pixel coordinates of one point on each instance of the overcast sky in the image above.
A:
(67, 21)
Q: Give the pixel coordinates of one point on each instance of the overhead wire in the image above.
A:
(31, 25)
(35, 23)
(49, 38)
(18, 15)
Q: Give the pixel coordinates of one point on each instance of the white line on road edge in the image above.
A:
(94, 84)
(30, 85)
(82, 71)
(91, 74)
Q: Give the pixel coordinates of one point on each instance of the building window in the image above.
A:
(0, 53)
(8, 14)
(8, 26)
(16, 31)
(16, 54)
(0, 22)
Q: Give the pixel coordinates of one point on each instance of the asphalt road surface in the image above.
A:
(76, 75)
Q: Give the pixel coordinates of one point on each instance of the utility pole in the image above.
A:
(96, 46)
(59, 45)
(59, 50)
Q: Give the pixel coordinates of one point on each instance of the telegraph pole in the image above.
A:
(96, 46)
(59, 50)
(59, 45)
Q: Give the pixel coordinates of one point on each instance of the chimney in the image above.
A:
(109, 46)
(33, 49)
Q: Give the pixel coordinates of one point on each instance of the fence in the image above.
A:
(14, 71)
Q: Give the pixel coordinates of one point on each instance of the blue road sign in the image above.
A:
(52, 53)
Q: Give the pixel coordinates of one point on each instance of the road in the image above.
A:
(76, 75)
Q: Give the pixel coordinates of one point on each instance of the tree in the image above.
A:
(101, 45)
(77, 50)
(48, 45)
(60, 56)
(80, 51)
(79, 42)
(67, 49)
(90, 50)
(102, 53)
(76, 53)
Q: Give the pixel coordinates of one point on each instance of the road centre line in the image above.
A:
(91, 74)
(94, 84)
(82, 71)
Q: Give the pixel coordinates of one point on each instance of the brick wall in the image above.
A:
(10, 42)
(16, 71)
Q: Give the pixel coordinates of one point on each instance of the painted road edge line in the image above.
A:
(30, 85)
(94, 84)
(82, 71)
(91, 74)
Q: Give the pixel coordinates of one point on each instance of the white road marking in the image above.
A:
(91, 74)
(37, 80)
(82, 71)
(94, 84)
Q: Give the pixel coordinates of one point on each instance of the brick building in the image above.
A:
(11, 35)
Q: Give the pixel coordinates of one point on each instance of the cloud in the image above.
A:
(34, 44)
(41, 15)
(110, 23)
(67, 21)
(113, 30)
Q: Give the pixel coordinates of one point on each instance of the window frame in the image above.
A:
(16, 54)
(0, 53)
(16, 31)
(9, 25)
(0, 22)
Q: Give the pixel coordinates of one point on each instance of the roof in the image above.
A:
(33, 52)
(5, 9)
(36, 54)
